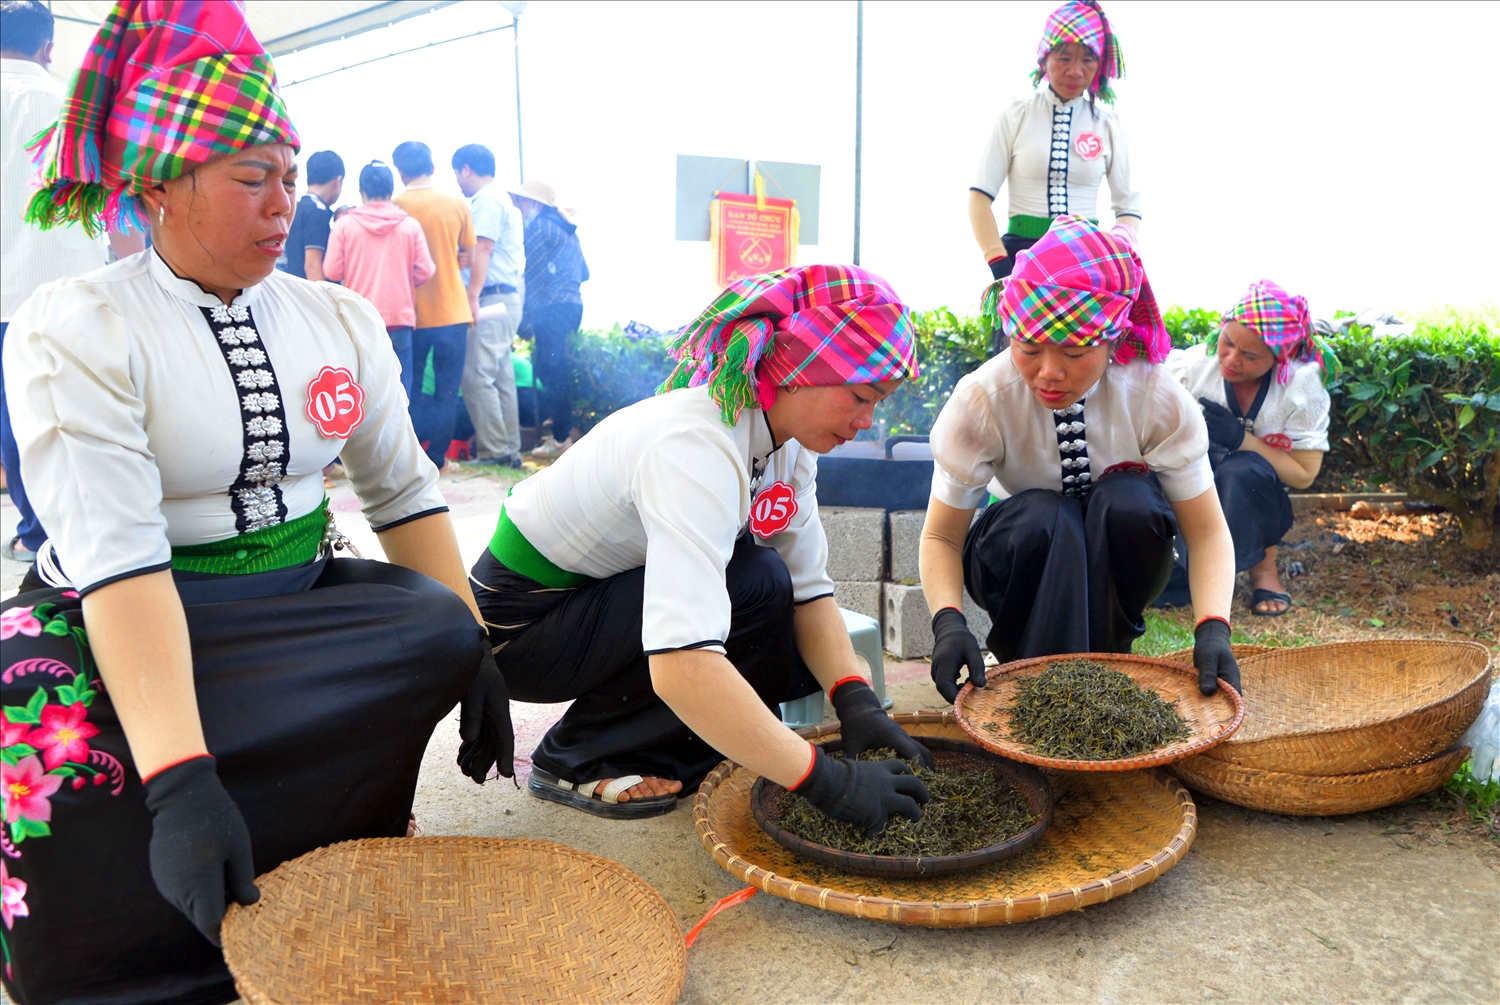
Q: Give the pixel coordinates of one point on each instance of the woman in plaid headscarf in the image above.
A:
(1098, 458)
(668, 573)
(1260, 382)
(194, 690)
(1055, 146)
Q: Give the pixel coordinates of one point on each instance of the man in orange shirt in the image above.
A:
(444, 307)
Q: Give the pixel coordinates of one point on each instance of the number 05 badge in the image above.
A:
(335, 403)
(772, 511)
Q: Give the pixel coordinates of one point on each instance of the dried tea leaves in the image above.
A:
(1082, 710)
(971, 809)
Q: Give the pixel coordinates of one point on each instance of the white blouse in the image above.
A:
(1055, 153)
(148, 414)
(993, 434)
(1293, 416)
(665, 484)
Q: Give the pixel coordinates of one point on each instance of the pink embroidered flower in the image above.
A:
(19, 621)
(63, 735)
(26, 787)
(12, 733)
(12, 897)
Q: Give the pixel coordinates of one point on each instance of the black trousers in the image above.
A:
(1014, 245)
(1256, 507)
(584, 645)
(318, 689)
(1060, 575)
(550, 328)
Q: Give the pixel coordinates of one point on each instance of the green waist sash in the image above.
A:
(512, 550)
(280, 547)
(1031, 226)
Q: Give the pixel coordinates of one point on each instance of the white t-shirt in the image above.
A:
(142, 426)
(1055, 153)
(1293, 416)
(994, 435)
(667, 485)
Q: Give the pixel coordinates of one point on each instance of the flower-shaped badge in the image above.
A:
(335, 403)
(772, 511)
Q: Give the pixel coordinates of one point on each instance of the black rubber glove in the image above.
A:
(997, 265)
(1224, 430)
(954, 647)
(865, 726)
(484, 724)
(1213, 657)
(200, 847)
(864, 793)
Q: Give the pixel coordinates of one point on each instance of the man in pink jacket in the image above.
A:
(379, 252)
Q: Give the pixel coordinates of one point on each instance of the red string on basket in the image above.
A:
(738, 897)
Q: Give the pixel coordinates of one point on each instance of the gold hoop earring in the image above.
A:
(791, 389)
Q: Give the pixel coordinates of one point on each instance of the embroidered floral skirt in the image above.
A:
(318, 688)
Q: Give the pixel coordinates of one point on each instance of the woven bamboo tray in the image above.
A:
(453, 920)
(1241, 653)
(1316, 795)
(1111, 834)
(984, 713)
(1351, 707)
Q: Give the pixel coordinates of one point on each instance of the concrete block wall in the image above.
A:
(906, 627)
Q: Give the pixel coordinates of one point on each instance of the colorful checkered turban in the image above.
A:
(1081, 286)
(1083, 21)
(810, 326)
(165, 85)
(1283, 324)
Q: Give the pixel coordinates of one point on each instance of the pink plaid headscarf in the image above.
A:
(1083, 22)
(1282, 322)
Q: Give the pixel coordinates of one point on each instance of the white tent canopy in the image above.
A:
(280, 26)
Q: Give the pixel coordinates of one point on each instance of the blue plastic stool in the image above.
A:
(864, 633)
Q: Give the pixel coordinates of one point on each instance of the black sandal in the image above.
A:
(600, 800)
(1259, 597)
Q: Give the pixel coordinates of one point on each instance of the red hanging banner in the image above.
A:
(750, 235)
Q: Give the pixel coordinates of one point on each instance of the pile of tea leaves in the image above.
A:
(1082, 710)
(971, 809)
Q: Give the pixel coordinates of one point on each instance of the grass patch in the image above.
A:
(1481, 797)
(1168, 632)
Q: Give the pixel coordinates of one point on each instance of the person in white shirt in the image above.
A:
(668, 573)
(1056, 146)
(1097, 456)
(218, 692)
(1259, 380)
(30, 257)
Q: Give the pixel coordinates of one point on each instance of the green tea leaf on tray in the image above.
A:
(1082, 710)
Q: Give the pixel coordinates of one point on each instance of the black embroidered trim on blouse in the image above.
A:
(255, 495)
(1057, 162)
(1073, 448)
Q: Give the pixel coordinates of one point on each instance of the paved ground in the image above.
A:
(1262, 909)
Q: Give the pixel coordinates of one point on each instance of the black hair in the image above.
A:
(413, 159)
(375, 180)
(477, 158)
(25, 26)
(324, 166)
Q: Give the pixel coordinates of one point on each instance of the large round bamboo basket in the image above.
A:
(1352, 707)
(1112, 832)
(1316, 795)
(1241, 652)
(453, 920)
(984, 713)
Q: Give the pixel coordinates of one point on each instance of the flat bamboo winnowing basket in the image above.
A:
(453, 920)
(1241, 653)
(1353, 707)
(1316, 795)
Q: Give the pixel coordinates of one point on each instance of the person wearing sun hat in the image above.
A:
(668, 574)
(1055, 146)
(1097, 456)
(1260, 381)
(194, 690)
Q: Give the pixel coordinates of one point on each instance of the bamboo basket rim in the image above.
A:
(1006, 747)
(948, 914)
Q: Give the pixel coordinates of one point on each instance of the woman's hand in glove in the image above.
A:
(954, 647)
(1213, 656)
(1224, 429)
(864, 793)
(200, 847)
(484, 724)
(864, 725)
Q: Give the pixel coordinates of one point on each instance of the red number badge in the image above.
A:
(772, 511)
(1280, 441)
(335, 403)
(1088, 146)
